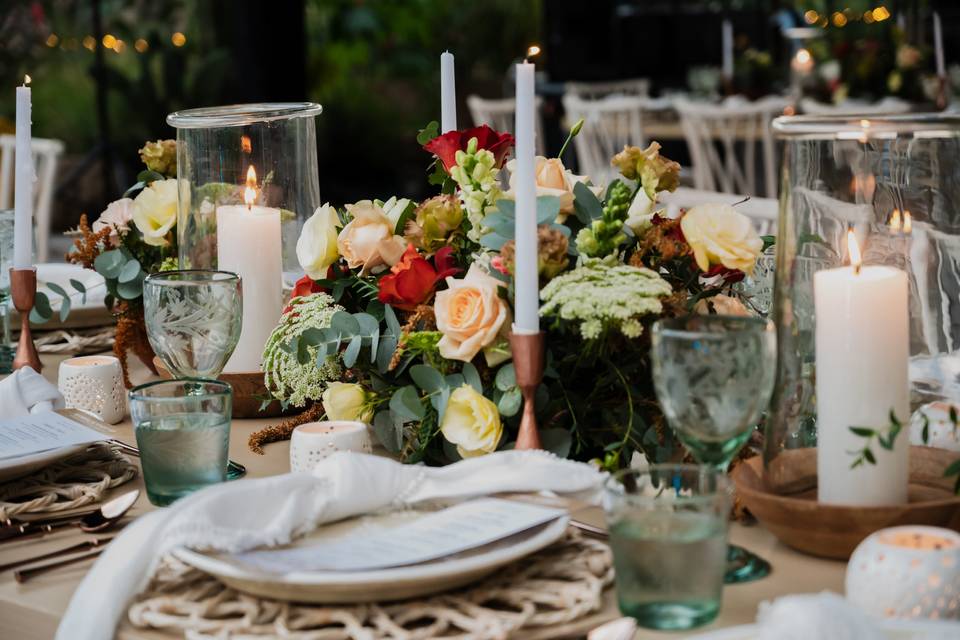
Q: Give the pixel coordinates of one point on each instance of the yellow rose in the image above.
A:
(472, 422)
(155, 211)
(553, 179)
(342, 401)
(368, 240)
(470, 314)
(719, 234)
(317, 244)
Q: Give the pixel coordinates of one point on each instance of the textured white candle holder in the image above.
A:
(907, 572)
(94, 384)
(315, 441)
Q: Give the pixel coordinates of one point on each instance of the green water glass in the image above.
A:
(713, 376)
(668, 532)
(183, 433)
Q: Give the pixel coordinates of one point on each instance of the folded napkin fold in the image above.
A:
(26, 391)
(245, 514)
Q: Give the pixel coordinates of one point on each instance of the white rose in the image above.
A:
(719, 234)
(155, 211)
(552, 179)
(317, 244)
(368, 240)
(116, 216)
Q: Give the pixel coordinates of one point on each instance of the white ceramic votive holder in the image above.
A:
(315, 441)
(907, 572)
(94, 384)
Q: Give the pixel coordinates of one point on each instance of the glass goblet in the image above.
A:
(713, 376)
(193, 320)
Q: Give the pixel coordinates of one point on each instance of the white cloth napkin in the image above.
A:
(245, 514)
(26, 391)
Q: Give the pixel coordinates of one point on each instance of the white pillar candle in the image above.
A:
(448, 93)
(23, 185)
(938, 45)
(727, 32)
(526, 279)
(862, 354)
(248, 244)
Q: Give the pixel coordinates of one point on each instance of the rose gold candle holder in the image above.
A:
(23, 290)
(528, 361)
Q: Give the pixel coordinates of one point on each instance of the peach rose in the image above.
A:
(470, 314)
(368, 240)
(553, 179)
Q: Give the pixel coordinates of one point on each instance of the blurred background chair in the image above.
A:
(639, 87)
(888, 105)
(723, 139)
(609, 124)
(501, 115)
(46, 153)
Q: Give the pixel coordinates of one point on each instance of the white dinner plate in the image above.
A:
(892, 630)
(395, 583)
(11, 468)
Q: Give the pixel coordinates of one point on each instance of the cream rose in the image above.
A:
(155, 211)
(553, 179)
(317, 244)
(368, 240)
(470, 314)
(472, 422)
(116, 217)
(719, 234)
(343, 401)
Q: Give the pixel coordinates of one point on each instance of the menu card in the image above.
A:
(458, 528)
(39, 432)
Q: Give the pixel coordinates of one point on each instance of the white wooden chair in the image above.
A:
(723, 140)
(639, 87)
(501, 115)
(609, 124)
(888, 105)
(45, 155)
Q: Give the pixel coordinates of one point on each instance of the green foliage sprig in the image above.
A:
(885, 440)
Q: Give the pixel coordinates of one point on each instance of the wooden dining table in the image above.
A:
(32, 610)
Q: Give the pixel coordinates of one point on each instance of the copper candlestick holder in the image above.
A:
(528, 361)
(23, 290)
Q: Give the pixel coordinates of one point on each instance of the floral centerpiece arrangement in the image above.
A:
(403, 317)
(134, 236)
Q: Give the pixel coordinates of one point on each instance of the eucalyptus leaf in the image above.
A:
(64, 309)
(385, 353)
(585, 204)
(427, 378)
(81, 288)
(109, 263)
(507, 207)
(345, 323)
(352, 352)
(556, 441)
(472, 377)
(393, 325)
(57, 289)
(439, 402)
(547, 209)
(455, 380)
(133, 289)
(510, 403)
(388, 431)
(129, 271)
(41, 311)
(493, 241)
(506, 377)
(405, 403)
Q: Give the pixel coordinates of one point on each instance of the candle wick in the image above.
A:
(856, 269)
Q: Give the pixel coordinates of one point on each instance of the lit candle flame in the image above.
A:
(895, 224)
(245, 144)
(26, 79)
(907, 222)
(250, 193)
(532, 50)
(855, 259)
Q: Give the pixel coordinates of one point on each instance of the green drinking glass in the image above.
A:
(713, 376)
(668, 532)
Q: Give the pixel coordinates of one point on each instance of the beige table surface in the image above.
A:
(32, 610)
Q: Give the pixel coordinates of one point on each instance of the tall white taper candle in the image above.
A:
(526, 279)
(938, 45)
(23, 185)
(727, 32)
(448, 93)
(862, 352)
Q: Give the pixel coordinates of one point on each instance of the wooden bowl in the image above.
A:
(834, 531)
(248, 393)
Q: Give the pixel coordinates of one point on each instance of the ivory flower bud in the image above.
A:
(368, 240)
(471, 422)
(317, 244)
(719, 234)
(155, 211)
(346, 401)
(470, 314)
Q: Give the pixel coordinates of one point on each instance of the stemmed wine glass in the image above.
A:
(714, 376)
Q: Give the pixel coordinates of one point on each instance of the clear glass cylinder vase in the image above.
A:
(259, 156)
(895, 181)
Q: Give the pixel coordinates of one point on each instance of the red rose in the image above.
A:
(413, 280)
(729, 275)
(305, 286)
(446, 146)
